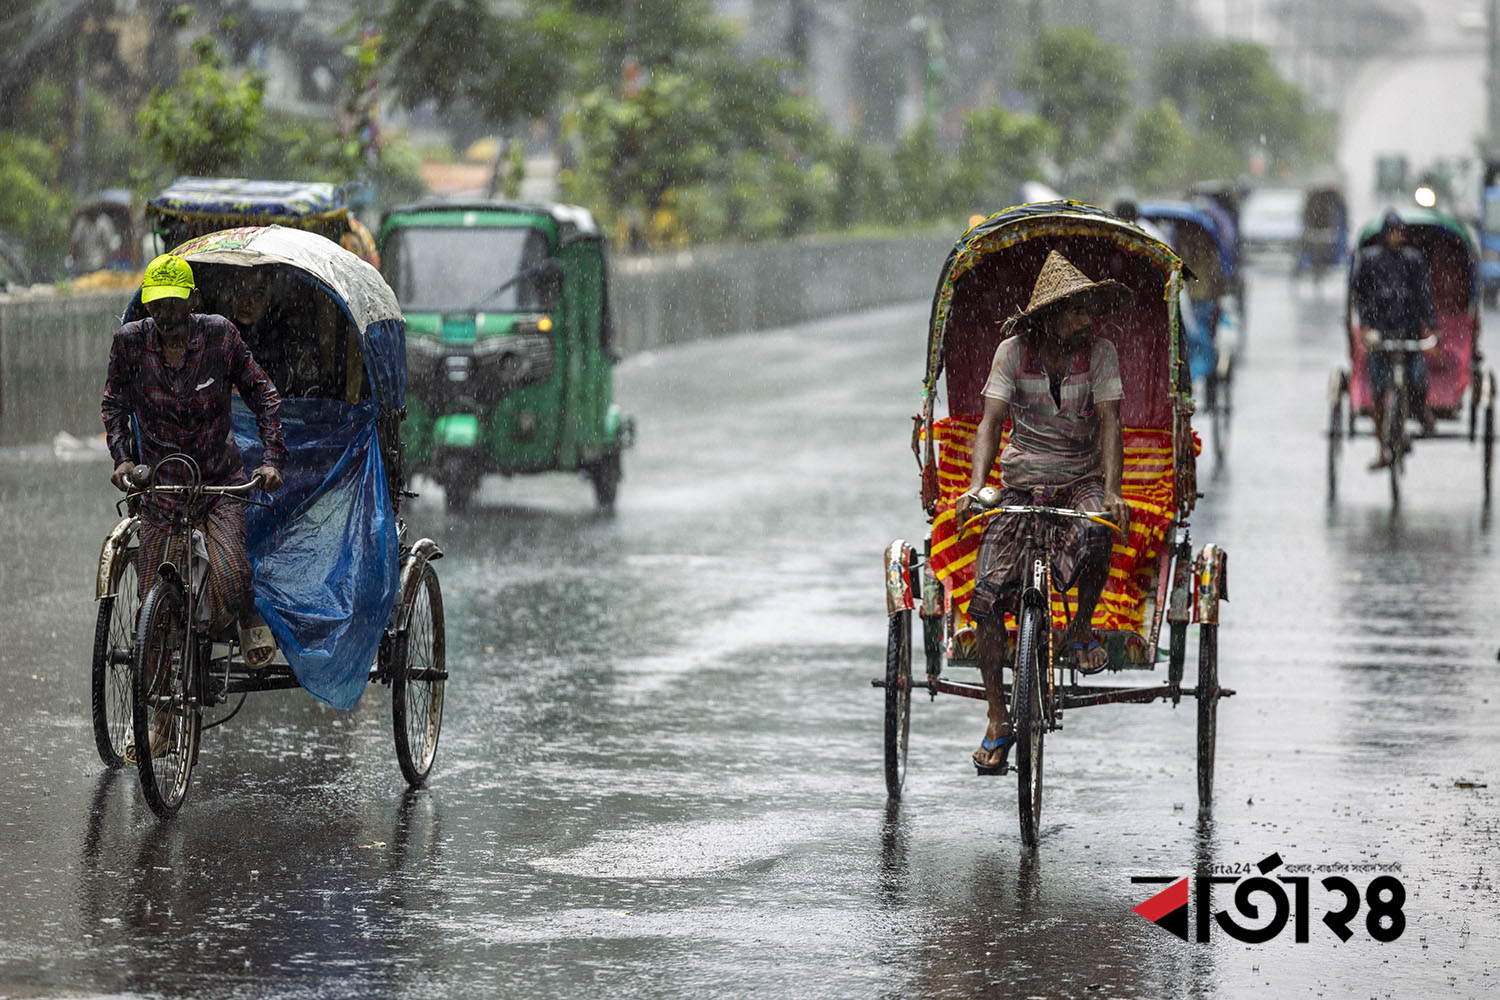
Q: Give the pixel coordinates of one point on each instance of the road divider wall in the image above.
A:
(54, 345)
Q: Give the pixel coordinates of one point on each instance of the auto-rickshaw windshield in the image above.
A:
(443, 269)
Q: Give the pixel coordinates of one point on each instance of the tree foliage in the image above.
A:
(459, 53)
(1082, 86)
(209, 123)
(1232, 94)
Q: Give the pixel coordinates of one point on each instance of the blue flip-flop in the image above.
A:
(1086, 648)
(1003, 744)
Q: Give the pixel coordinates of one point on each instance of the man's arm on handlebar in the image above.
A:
(1112, 448)
(986, 445)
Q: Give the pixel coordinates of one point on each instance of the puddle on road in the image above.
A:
(684, 850)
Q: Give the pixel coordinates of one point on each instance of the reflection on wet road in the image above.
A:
(660, 763)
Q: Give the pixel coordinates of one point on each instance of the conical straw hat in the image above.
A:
(1060, 280)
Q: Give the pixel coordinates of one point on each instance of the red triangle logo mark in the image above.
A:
(1168, 908)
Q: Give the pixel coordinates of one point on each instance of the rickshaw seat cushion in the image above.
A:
(1148, 482)
(1448, 365)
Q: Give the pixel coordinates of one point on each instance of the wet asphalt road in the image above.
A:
(660, 768)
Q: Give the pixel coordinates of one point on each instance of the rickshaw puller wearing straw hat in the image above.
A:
(1060, 386)
(173, 372)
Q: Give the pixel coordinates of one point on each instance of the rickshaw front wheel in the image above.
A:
(166, 711)
(897, 700)
(1208, 709)
(111, 684)
(1028, 722)
(418, 674)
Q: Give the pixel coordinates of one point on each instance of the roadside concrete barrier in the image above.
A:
(54, 345)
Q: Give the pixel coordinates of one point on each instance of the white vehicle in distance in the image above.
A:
(1271, 219)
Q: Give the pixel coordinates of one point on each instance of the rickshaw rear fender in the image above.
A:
(1180, 605)
(110, 557)
(1211, 570)
(1338, 384)
(901, 590)
(413, 561)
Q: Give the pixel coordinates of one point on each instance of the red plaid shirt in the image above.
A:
(186, 409)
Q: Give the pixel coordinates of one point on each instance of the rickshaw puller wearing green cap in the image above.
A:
(173, 372)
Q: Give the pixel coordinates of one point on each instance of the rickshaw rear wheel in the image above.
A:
(1028, 723)
(111, 686)
(1208, 710)
(897, 700)
(1176, 652)
(1489, 442)
(1335, 442)
(418, 675)
(165, 698)
(1216, 395)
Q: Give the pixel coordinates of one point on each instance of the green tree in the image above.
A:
(35, 208)
(999, 150)
(1082, 86)
(209, 123)
(1160, 158)
(1232, 93)
(461, 54)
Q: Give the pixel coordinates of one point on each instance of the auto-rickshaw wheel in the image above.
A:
(165, 698)
(457, 494)
(606, 475)
(418, 672)
(1028, 722)
(897, 700)
(111, 686)
(1208, 709)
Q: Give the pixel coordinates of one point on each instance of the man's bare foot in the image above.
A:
(1380, 462)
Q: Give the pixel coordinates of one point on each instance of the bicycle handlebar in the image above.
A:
(240, 492)
(1097, 516)
(1405, 345)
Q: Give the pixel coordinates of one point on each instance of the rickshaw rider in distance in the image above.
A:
(1060, 386)
(1392, 292)
(173, 372)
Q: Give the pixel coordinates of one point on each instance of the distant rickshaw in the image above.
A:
(1155, 578)
(1215, 330)
(194, 206)
(1458, 384)
(1325, 232)
(108, 233)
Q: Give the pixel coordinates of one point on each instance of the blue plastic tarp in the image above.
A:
(325, 556)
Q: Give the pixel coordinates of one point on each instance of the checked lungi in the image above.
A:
(230, 583)
(1001, 549)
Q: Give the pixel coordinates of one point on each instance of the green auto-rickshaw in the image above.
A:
(508, 343)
